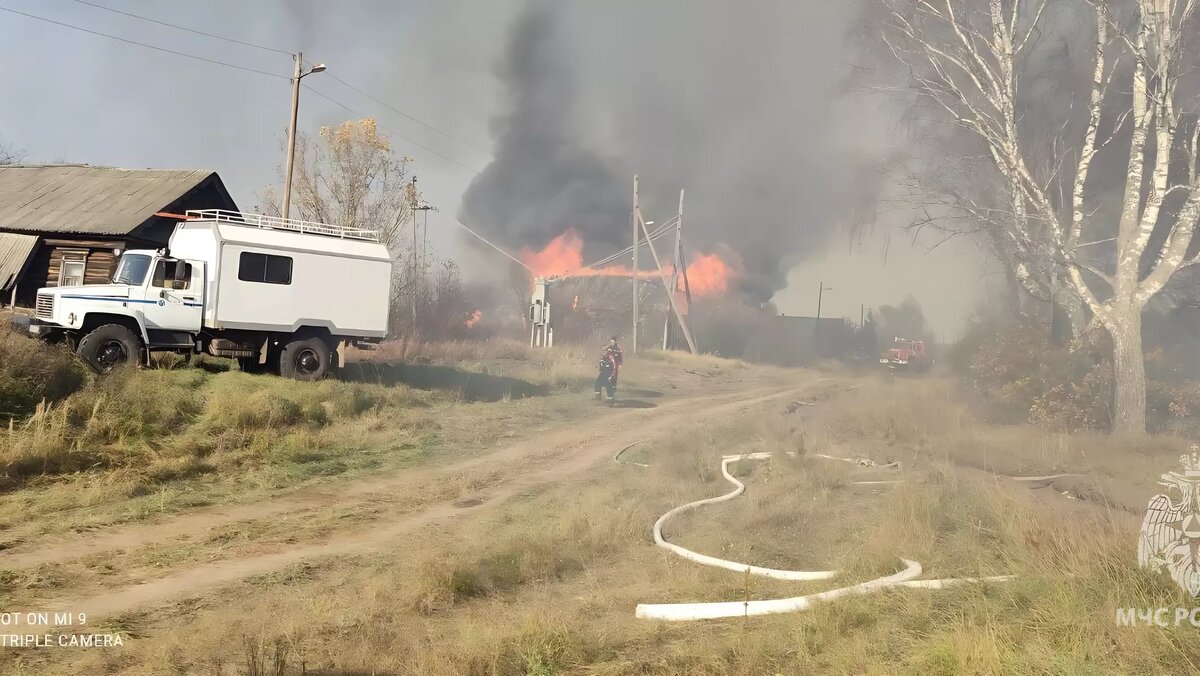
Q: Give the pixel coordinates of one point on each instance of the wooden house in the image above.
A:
(67, 224)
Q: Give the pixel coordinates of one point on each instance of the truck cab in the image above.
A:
(153, 302)
(906, 353)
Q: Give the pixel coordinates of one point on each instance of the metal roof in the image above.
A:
(15, 250)
(82, 199)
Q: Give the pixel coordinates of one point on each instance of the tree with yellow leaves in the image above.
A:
(350, 176)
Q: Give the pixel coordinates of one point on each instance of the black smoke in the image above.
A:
(736, 102)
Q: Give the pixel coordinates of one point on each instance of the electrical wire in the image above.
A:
(452, 220)
(183, 28)
(405, 115)
(274, 75)
(659, 232)
(419, 145)
(141, 44)
(662, 230)
(332, 76)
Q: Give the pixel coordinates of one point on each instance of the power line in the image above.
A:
(277, 51)
(142, 44)
(658, 232)
(183, 28)
(274, 75)
(452, 220)
(334, 77)
(485, 241)
(423, 147)
(405, 115)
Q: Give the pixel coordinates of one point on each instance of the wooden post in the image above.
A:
(677, 263)
(687, 335)
(636, 218)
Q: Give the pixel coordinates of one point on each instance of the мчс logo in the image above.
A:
(1170, 537)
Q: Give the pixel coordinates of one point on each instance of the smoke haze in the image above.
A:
(553, 107)
(732, 103)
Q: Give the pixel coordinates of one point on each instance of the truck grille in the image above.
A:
(45, 306)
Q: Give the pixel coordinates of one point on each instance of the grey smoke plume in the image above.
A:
(543, 178)
(733, 102)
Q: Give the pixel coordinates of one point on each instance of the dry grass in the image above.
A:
(32, 373)
(547, 583)
(565, 368)
(172, 424)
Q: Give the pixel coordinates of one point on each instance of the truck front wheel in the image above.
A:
(307, 359)
(108, 347)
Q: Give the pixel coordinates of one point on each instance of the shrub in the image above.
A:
(1024, 376)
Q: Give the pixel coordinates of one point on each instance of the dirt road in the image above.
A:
(498, 475)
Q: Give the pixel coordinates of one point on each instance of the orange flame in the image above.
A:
(474, 319)
(708, 274)
(563, 257)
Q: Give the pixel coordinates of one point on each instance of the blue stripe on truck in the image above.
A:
(121, 299)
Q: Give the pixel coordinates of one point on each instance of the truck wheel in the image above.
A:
(108, 347)
(307, 359)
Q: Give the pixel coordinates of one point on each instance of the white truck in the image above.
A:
(278, 295)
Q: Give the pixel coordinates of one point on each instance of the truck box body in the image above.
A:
(259, 278)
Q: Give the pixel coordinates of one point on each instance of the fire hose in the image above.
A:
(725, 609)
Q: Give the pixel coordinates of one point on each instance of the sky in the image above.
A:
(706, 113)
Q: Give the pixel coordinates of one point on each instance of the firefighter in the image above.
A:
(610, 364)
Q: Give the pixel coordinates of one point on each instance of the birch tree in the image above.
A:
(968, 56)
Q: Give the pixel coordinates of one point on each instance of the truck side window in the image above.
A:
(175, 275)
(265, 268)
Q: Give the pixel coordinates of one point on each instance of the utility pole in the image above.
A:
(636, 218)
(687, 335)
(820, 292)
(289, 166)
(412, 205)
(676, 264)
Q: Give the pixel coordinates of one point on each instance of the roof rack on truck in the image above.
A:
(276, 223)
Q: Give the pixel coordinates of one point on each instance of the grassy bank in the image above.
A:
(547, 584)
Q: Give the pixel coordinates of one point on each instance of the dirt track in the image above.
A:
(507, 472)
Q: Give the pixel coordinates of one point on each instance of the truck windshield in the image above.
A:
(132, 270)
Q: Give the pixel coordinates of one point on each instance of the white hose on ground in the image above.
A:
(1048, 477)
(719, 609)
(722, 563)
(727, 609)
(867, 462)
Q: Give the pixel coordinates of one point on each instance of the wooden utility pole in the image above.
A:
(687, 335)
(675, 266)
(414, 273)
(636, 221)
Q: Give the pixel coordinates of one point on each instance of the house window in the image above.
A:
(72, 268)
(265, 268)
(175, 275)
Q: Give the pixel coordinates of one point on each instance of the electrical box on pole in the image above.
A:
(541, 332)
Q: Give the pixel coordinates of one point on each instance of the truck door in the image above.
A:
(177, 289)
